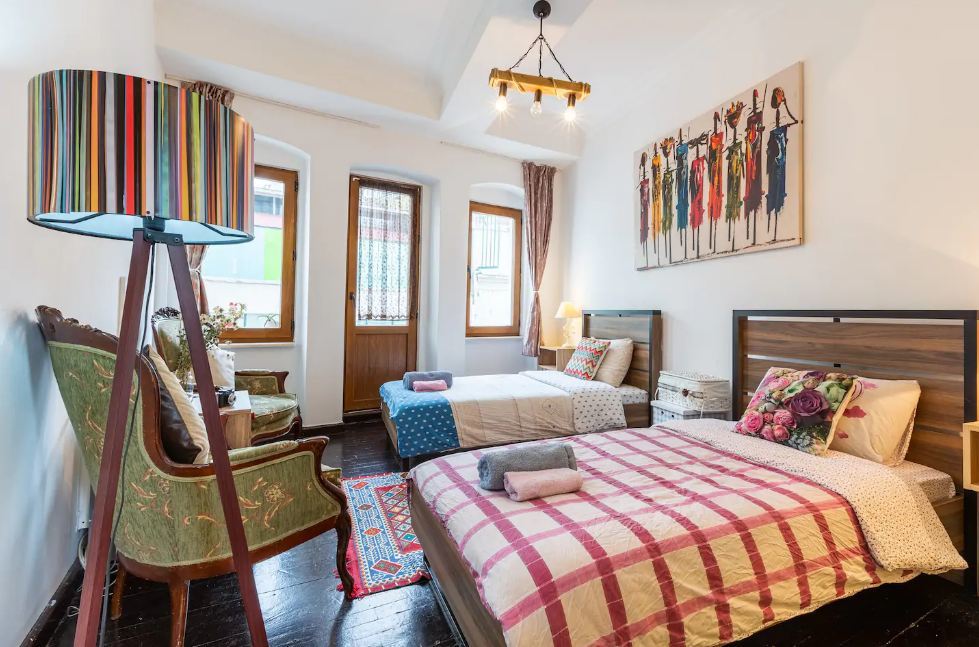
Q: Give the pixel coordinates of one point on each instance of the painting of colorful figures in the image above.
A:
(729, 182)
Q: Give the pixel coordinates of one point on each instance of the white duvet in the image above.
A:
(498, 409)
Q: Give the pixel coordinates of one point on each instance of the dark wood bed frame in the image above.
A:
(644, 327)
(938, 348)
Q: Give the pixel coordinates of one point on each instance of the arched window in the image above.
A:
(493, 286)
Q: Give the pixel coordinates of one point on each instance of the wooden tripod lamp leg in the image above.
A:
(219, 449)
(116, 425)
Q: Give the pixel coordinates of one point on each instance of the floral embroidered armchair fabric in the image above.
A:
(274, 412)
(171, 524)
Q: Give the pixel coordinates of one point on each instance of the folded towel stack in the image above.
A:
(411, 377)
(527, 458)
(521, 486)
(430, 385)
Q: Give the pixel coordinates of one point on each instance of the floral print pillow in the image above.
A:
(799, 409)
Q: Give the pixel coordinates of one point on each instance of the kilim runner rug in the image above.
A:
(384, 552)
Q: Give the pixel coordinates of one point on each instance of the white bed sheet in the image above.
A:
(632, 394)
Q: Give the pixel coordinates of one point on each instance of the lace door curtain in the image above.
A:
(384, 254)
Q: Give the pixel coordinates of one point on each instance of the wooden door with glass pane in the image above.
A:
(381, 340)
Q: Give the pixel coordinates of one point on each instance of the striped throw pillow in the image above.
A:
(587, 358)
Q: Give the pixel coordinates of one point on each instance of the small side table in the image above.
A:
(970, 467)
(236, 420)
(554, 358)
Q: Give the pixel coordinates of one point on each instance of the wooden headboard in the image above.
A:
(935, 347)
(645, 328)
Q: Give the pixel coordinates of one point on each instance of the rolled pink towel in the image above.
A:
(430, 385)
(522, 486)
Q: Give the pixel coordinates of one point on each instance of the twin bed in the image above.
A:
(689, 534)
(482, 411)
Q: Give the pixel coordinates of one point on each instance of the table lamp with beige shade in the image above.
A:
(569, 312)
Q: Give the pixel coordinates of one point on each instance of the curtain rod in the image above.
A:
(281, 104)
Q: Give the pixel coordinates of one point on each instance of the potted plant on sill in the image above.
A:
(219, 321)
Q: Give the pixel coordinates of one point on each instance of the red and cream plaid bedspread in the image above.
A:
(671, 541)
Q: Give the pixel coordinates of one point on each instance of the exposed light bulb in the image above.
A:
(535, 107)
(570, 113)
(501, 102)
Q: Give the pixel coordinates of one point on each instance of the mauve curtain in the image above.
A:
(195, 253)
(224, 96)
(538, 186)
(195, 257)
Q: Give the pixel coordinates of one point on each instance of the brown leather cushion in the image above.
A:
(176, 440)
(174, 435)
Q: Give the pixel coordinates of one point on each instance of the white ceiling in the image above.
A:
(410, 36)
(423, 65)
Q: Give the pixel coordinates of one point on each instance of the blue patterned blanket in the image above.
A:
(424, 420)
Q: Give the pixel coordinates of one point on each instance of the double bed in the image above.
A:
(690, 534)
(488, 410)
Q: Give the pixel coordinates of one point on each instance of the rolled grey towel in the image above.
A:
(425, 376)
(529, 458)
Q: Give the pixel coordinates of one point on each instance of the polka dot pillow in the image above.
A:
(799, 409)
(587, 358)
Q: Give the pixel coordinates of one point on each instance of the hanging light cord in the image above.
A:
(541, 42)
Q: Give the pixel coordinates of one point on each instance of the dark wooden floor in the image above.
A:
(302, 606)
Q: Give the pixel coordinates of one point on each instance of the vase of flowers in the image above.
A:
(219, 321)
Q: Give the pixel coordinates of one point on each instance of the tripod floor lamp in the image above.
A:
(117, 156)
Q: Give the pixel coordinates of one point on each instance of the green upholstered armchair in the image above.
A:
(274, 412)
(171, 526)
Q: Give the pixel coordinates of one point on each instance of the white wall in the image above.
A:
(447, 174)
(40, 471)
(285, 356)
(891, 218)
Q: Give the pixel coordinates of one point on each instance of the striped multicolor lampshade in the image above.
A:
(107, 151)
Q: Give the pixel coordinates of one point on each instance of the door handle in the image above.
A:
(350, 296)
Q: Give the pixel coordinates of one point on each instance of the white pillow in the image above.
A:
(222, 367)
(616, 364)
(192, 419)
(878, 420)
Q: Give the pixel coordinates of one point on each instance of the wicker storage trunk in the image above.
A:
(694, 391)
(666, 411)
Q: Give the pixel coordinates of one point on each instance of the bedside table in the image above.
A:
(236, 420)
(554, 358)
(970, 445)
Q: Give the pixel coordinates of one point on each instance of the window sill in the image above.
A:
(498, 338)
(256, 344)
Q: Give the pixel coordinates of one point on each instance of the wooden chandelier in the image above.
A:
(568, 89)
